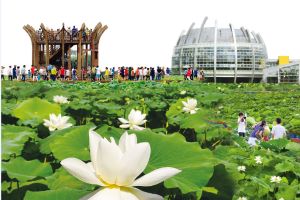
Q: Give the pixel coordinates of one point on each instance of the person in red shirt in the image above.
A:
(32, 71)
(132, 74)
(188, 74)
(137, 73)
(62, 73)
(126, 73)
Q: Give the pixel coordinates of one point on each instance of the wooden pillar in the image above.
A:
(36, 57)
(79, 54)
(69, 57)
(86, 55)
(63, 47)
(92, 47)
(47, 50)
(33, 54)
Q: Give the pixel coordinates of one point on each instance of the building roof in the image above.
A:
(224, 35)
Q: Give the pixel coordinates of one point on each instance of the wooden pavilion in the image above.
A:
(53, 47)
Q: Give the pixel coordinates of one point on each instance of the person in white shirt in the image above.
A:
(141, 70)
(68, 74)
(10, 73)
(145, 73)
(278, 131)
(18, 73)
(242, 124)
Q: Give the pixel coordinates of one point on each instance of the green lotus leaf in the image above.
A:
(24, 170)
(72, 144)
(61, 178)
(44, 144)
(13, 139)
(61, 194)
(35, 108)
(284, 167)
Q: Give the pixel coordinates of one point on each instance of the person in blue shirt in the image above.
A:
(74, 32)
(49, 67)
(29, 74)
(15, 72)
(113, 73)
(168, 71)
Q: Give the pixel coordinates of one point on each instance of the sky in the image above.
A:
(144, 32)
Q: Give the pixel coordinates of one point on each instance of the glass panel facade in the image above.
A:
(246, 57)
(188, 57)
(205, 58)
(225, 58)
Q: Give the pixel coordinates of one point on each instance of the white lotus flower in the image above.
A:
(281, 198)
(258, 159)
(275, 179)
(115, 167)
(190, 106)
(242, 198)
(241, 168)
(183, 92)
(60, 99)
(135, 119)
(57, 122)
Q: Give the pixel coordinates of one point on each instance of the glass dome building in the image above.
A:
(222, 53)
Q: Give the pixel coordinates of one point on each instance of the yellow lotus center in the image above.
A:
(109, 185)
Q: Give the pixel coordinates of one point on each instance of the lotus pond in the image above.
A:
(215, 163)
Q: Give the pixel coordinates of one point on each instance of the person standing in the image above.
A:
(106, 74)
(98, 73)
(2, 73)
(257, 133)
(14, 72)
(159, 72)
(242, 124)
(137, 73)
(168, 71)
(53, 73)
(18, 73)
(278, 131)
(145, 72)
(89, 71)
(141, 69)
(35, 75)
(23, 73)
(122, 72)
(41, 72)
(62, 73)
(93, 77)
(188, 74)
(202, 74)
(126, 73)
(199, 75)
(68, 74)
(28, 74)
(132, 74)
(152, 74)
(10, 73)
(148, 74)
(49, 67)
(32, 71)
(74, 77)
(113, 73)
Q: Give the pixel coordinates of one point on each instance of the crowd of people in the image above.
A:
(70, 34)
(260, 131)
(190, 74)
(94, 73)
